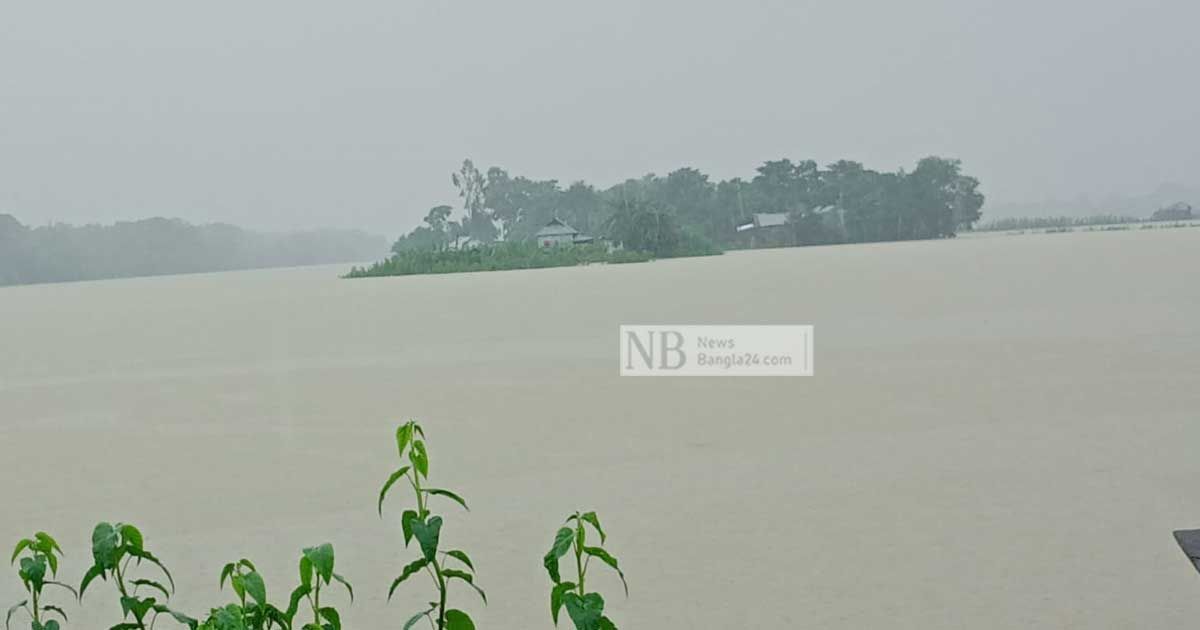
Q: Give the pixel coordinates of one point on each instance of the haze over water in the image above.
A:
(1008, 445)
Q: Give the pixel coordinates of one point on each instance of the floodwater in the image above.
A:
(1002, 432)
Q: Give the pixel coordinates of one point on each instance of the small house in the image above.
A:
(557, 232)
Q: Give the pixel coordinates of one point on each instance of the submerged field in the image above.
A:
(1002, 432)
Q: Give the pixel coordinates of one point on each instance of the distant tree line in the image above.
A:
(843, 202)
(1038, 223)
(58, 253)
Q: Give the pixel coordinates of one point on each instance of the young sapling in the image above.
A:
(114, 547)
(42, 556)
(585, 609)
(316, 572)
(421, 524)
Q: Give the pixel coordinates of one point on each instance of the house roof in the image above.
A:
(556, 227)
(769, 219)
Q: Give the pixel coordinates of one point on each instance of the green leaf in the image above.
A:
(604, 557)
(226, 571)
(585, 611)
(152, 584)
(556, 598)
(412, 621)
(34, 570)
(458, 620)
(331, 615)
(23, 544)
(177, 616)
(551, 564)
(255, 587)
(403, 436)
(53, 560)
(50, 625)
(61, 585)
(427, 534)
(406, 521)
(48, 543)
(105, 541)
(298, 594)
(55, 609)
(462, 557)
(450, 495)
(96, 571)
(8, 617)
(133, 537)
(306, 571)
(396, 476)
(408, 572)
(606, 624)
(466, 577)
(341, 580)
(419, 458)
(562, 542)
(146, 555)
(594, 521)
(321, 557)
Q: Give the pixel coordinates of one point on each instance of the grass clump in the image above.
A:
(495, 257)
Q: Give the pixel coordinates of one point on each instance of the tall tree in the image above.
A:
(472, 187)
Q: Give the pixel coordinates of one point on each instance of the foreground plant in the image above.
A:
(114, 547)
(252, 612)
(426, 528)
(316, 572)
(585, 609)
(42, 555)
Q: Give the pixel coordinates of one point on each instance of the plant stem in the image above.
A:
(441, 579)
(317, 602)
(36, 620)
(579, 555)
(124, 593)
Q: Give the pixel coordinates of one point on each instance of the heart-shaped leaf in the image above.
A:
(105, 541)
(556, 598)
(321, 558)
(406, 521)
(585, 611)
(458, 620)
(255, 587)
(427, 533)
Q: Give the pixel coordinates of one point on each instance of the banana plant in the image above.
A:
(252, 611)
(585, 609)
(422, 524)
(114, 547)
(316, 573)
(42, 554)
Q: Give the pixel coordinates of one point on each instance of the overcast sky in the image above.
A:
(298, 114)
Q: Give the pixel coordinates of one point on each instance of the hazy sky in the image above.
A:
(296, 114)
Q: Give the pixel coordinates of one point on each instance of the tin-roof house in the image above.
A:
(557, 232)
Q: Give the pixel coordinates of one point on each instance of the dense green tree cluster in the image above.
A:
(58, 253)
(843, 202)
